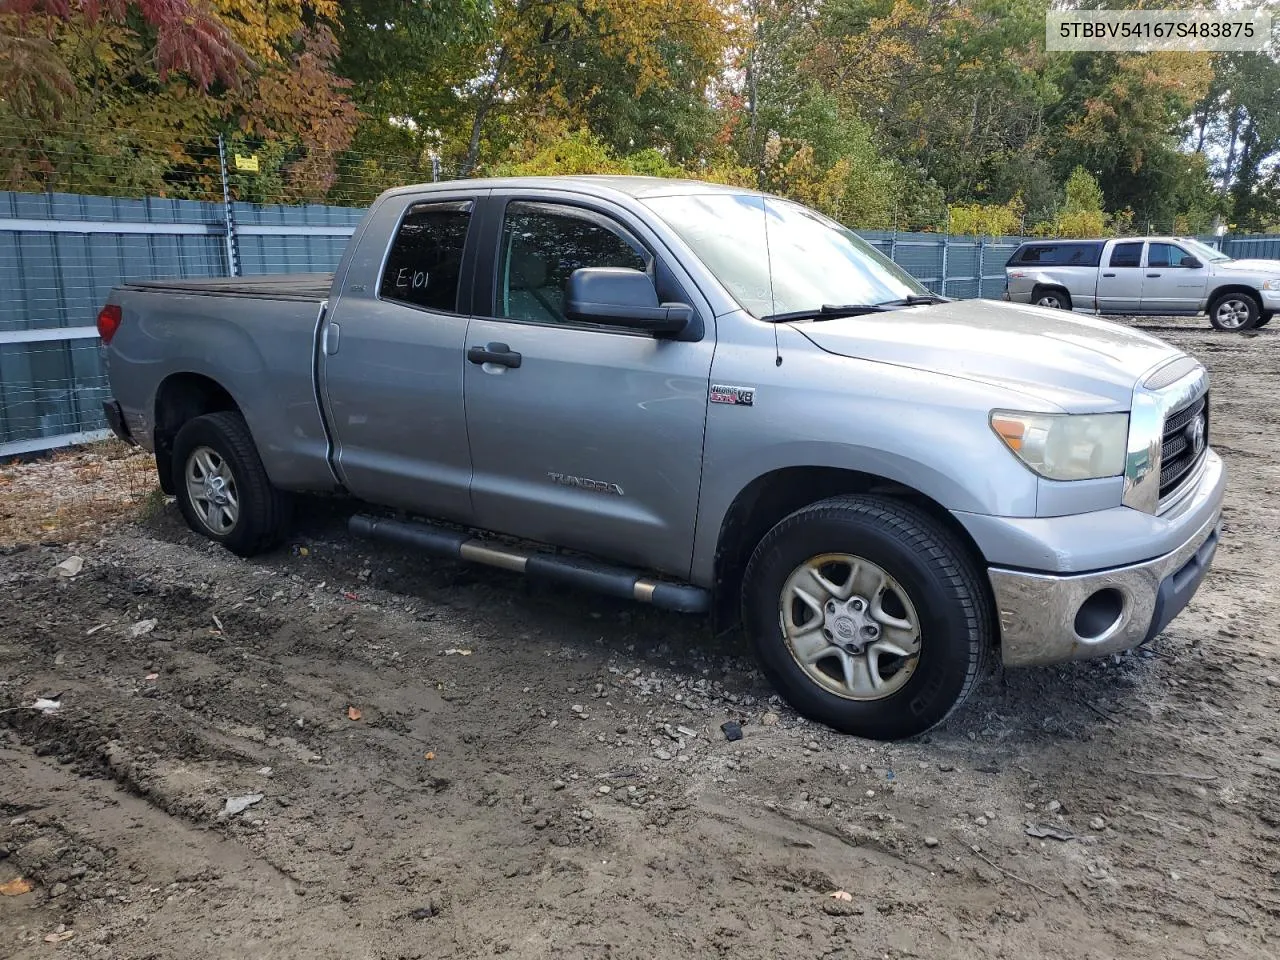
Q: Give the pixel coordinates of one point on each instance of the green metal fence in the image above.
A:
(60, 254)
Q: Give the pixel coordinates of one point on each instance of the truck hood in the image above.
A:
(1264, 267)
(1074, 362)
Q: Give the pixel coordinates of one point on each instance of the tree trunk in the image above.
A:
(1231, 149)
(483, 110)
(753, 104)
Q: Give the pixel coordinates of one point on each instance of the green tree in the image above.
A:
(1239, 122)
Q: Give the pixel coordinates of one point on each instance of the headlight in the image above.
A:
(1271, 284)
(1061, 446)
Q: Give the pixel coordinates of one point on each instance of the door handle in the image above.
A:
(1108, 274)
(332, 333)
(498, 353)
(1153, 274)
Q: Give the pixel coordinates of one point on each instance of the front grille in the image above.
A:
(1179, 454)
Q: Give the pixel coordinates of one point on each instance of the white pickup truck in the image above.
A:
(1165, 276)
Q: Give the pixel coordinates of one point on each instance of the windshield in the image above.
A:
(1204, 251)
(780, 258)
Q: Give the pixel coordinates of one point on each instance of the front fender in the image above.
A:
(925, 431)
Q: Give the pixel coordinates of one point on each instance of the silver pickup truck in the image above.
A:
(1165, 276)
(705, 399)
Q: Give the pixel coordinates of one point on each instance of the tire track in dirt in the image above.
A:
(538, 829)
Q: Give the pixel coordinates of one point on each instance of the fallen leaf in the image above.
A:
(352, 596)
(303, 551)
(461, 653)
(15, 888)
(353, 713)
(842, 895)
(430, 755)
(59, 937)
(153, 676)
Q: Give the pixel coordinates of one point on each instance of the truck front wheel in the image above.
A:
(222, 488)
(1234, 312)
(867, 615)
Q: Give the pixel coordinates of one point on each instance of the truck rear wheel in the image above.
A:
(1263, 320)
(1234, 312)
(222, 488)
(867, 616)
(1055, 298)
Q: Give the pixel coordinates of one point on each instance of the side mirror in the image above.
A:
(1189, 261)
(622, 297)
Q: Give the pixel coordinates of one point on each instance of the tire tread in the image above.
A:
(915, 530)
(264, 510)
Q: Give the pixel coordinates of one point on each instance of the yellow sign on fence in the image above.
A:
(249, 163)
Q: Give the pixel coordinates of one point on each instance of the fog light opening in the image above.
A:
(1098, 614)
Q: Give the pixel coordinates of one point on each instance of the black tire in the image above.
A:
(1252, 312)
(1054, 298)
(263, 511)
(936, 573)
(1263, 320)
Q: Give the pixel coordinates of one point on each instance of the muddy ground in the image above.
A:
(541, 773)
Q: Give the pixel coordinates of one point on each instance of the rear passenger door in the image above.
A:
(1120, 282)
(1168, 286)
(392, 356)
(585, 436)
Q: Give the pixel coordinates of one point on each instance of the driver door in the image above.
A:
(582, 435)
(1168, 286)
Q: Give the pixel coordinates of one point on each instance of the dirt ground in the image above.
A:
(541, 773)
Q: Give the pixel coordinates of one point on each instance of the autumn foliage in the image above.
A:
(907, 114)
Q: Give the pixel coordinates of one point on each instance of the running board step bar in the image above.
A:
(554, 568)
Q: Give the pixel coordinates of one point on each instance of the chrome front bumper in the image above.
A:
(1040, 614)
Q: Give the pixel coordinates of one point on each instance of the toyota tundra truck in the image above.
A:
(705, 399)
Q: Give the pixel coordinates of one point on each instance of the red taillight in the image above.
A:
(108, 322)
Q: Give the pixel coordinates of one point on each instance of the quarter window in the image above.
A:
(1060, 254)
(543, 243)
(1126, 255)
(426, 257)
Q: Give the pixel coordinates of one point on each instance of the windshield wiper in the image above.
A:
(916, 300)
(831, 311)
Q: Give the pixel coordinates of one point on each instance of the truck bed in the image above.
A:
(272, 286)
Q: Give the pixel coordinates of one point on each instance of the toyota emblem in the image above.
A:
(1196, 435)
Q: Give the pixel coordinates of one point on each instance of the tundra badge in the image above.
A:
(599, 486)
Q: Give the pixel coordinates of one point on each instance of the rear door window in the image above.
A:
(425, 261)
(1126, 255)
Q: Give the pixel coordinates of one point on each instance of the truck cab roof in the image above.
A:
(637, 187)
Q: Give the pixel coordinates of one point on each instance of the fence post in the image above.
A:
(946, 246)
(435, 168)
(893, 239)
(982, 274)
(228, 213)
